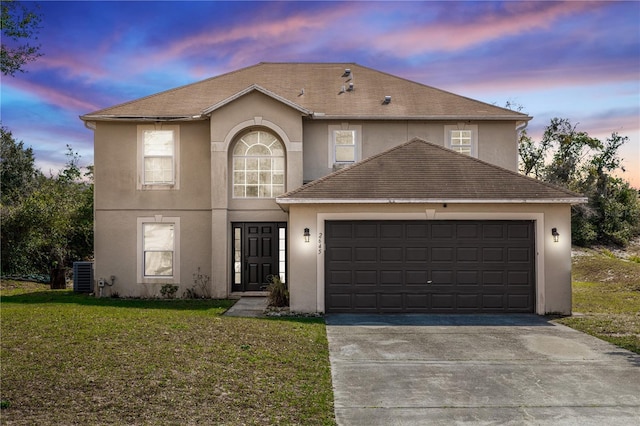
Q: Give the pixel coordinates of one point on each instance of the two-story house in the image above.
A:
(363, 191)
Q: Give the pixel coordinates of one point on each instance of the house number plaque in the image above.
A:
(320, 243)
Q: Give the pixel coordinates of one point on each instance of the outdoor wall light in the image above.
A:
(556, 236)
(307, 235)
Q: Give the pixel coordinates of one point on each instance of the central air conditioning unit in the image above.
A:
(83, 277)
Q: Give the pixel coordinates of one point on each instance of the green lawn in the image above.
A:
(74, 359)
(606, 298)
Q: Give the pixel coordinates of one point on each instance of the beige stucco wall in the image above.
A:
(496, 140)
(553, 262)
(116, 249)
(116, 169)
(119, 203)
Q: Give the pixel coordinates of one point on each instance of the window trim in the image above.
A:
(462, 126)
(357, 129)
(141, 185)
(173, 279)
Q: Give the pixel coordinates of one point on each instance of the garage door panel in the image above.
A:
(472, 266)
(415, 277)
(391, 254)
(518, 278)
(467, 254)
(468, 301)
(365, 301)
(416, 254)
(418, 231)
(443, 230)
(467, 277)
(365, 277)
(441, 254)
(492, 277)
(443, 302)
(337, 254)
(340, 277)
(419, 301)
(340, 302)
(493, 254)
(391, 301)
(493, 301)
(366, 230)
(339, 230)
(392, 230)
(492, 231)
(365, 254)
(518, 302)
(391, 277)
(518, 232)
(518, 255)
(442, 277)
(467, 231)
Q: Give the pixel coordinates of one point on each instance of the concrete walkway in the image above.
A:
(248, 307)
(477, 369)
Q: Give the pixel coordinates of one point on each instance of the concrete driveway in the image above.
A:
(477, 369)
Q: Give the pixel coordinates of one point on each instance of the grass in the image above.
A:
(68, 358)
(606, 294)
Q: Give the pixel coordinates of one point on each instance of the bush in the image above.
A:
(278, 292)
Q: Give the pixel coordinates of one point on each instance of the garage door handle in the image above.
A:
(429, 282)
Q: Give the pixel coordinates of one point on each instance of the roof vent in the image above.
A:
(387, 100)
(347, 72)
(350, 88)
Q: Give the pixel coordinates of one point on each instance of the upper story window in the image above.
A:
(158, 149)
(344, 144)
(462, 138)
(258, 166)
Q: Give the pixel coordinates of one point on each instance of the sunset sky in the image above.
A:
(577, 59)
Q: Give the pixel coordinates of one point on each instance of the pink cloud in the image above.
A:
(53, 96)
(261, 36)
(451, 36)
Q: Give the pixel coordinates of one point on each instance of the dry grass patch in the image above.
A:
(74, 359)
(606, 293)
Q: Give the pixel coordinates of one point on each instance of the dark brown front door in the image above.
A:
(256, 254)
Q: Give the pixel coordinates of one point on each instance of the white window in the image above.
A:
(158, 149)
(158, 249)
(344, 144)
(258, 166)
(462, 138)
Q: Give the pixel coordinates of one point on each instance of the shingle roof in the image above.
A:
(313, 87)
(419, 171)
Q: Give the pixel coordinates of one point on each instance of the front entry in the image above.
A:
(259, 251)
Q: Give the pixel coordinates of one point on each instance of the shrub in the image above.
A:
(278, 292)
(168, 291)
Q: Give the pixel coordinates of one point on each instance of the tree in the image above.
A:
(581, 163)
(52, 226)
(18, 174)
(19, 25)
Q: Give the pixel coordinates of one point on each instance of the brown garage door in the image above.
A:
(429, 266)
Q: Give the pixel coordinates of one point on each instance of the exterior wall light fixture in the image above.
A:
(307, 235)
(556, 236)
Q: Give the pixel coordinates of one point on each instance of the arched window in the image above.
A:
(258, 166)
